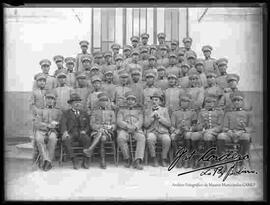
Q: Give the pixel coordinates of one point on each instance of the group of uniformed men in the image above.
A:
(149, 93)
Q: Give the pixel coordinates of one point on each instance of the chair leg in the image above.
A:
(61, 155)
(146, 155)
(114, 153)
(117, 155)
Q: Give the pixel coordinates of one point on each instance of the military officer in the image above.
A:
(118, 67)
(162, 81)
(92, 99)
(108, 61)
(210, 120)
(84, 46)
(171, 93)
(153, 50)
(187, 41)
(37, 100)
(98, 58)
(103, 125)
(95, 71)
(173, 68)
(184, 80)
(237, 127)
(210, 63)
(71, 78)
(86, 62)
(213, 89)
(199, 66)
(174, 46)
(46, 124)
(180, 57)
(62, 91)
(144, 41)
(115, 48)
(127, 54)
(137, 86)
(59, 61)
(150, 89)
(162, 59)
(196, 91)
(183, 124)
(157, 124)
(121, 89)
(151, 66)
(82, 89)
(50, 80)
(74, 126)
(161, 41)
(191, 60)
(143, 57)
(222, 78)
(129, 122)
(135, 42)
(232, 80)
(135, 62)
(109, 86)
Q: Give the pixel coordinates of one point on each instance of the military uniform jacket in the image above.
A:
(74, 124)
(147, 69)
(92, 100)
(51, 83)
(228, 104)
(79, 66)
(63, 95)
(147, 93)
(83, 92)
(237, 120)
(127, 61)
(46, 116)
(161, 126)
(209, 119)
(222, 81)
(109, 89)
(183, 117)
(119, 97)
(174, 69)
(172, 98)
(215, 90)
(210, 65)
(164, 61)
(134, 66)
(37, 100)
(59, 71)
(137, 90)
(143, 63)
(101, 117)
(188, 52)
(162, 83)
(197, 96)
(130, 116)
(184, 82)
(71, 80)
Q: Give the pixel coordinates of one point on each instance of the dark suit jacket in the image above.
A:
(74, 125)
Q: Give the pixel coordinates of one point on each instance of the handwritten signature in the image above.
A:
(218, 167)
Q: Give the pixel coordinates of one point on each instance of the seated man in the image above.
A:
(75, 128)
(129, 121)
(103, 125)
(157, 124)
(46, 123)
(183, 121)
(237, 127)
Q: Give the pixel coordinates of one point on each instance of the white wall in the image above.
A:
(236, 37)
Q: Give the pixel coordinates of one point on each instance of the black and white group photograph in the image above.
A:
(121, 103)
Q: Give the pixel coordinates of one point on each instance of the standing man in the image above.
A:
(143, 57)
(108, 62)
(174, 46)
(46, 125)
(59, 61)
(162, 81)
(86, 62)
(115, 49)
(137, 86)
(173, 68)
(180, 57)
(84, 46)
(71, 78)
(184, 80)
(50, 80)
(187, 41)
(62, 92)
(135, 62)
(210, 63)
(151, 66)
(144, 41)
(127, 54)
(74, 127)
(135, 42)
(162, 59)
(109, 86)
(157, 124)
(222, 68)
(92, 98)
(199, 67)
(130, 121)
(103, 124)
(82, 89)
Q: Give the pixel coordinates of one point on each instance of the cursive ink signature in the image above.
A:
(218, 168)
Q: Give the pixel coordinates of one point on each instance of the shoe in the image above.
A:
(75, 163)
(155, 164)
(86, 163)
(48, 166)
(138, 165)
(164, 163)
(87, 152)
(127, 163)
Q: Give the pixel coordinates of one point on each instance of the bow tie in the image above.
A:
(238, 109)
(50, 106)
(154, 109)
(212, 109)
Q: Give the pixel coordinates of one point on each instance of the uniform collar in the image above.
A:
(49, 107)
(238, 109)
(211, 109)
(156, 108)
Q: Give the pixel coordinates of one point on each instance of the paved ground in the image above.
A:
(119, 183)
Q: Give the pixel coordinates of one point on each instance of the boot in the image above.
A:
(47, 165)
(86, 163)
(194, 161)
(88, 152)
(127, 163)
(102, 154)
(187, 163)
(155, 162)
(138, 164)
(75, 163)
(244, 148)
(164, 163)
